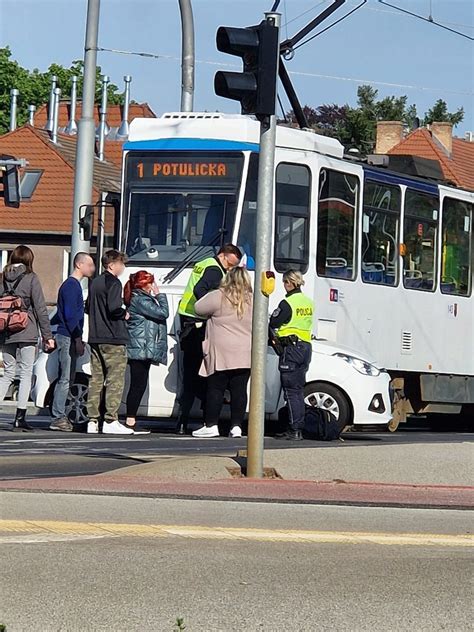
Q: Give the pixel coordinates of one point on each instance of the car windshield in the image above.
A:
(178, 204)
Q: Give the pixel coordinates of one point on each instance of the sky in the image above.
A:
(376, 44)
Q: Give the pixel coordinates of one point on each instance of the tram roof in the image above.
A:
(216, 131)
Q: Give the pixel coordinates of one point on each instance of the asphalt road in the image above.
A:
(134, 564)
(44, 453)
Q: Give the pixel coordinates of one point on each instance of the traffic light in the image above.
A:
(255, 87)
(11, 184)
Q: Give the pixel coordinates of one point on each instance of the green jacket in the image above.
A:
(147, 327)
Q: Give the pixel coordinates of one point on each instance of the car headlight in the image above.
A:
(359, 365)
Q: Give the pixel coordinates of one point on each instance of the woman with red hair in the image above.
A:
(148, 311)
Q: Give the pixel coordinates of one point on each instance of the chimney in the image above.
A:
(57, 98)
(31, 114)
(49, 122)
(443, 132)
(389, 134)
(103, 127)
(123, 129)
(71, 127)
(13, 107)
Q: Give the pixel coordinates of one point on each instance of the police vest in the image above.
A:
(186, 304)
(301, 323)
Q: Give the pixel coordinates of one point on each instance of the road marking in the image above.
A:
(41, 528)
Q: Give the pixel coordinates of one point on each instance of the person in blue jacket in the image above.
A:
(70, 320)
(148, 311)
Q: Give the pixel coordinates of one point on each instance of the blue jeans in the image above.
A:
(294, 364)
(67, 372)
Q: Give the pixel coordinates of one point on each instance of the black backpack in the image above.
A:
(321, 425)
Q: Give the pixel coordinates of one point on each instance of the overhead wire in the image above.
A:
(430, 21)
(331, 25)
(388, 12)
(292, 72)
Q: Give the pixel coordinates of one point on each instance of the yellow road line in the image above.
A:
(106, 529)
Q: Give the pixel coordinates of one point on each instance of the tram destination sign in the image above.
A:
(188, 170)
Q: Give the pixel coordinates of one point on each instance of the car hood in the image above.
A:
(330, 348)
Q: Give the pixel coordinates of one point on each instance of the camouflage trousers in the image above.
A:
(108, 365)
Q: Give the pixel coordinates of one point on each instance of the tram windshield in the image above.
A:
(179, 203)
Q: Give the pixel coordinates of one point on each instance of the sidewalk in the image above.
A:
(414, 475)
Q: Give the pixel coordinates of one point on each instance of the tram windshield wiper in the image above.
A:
(193, 255)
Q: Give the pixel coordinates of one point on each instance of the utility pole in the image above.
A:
(86, 131)
(266, 175)
(187, 56)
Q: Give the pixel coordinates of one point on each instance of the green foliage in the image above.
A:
(34, 86)
(3, 628)
(179, 626)
(356, 126)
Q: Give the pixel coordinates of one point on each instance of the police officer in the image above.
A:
(293, 323)
(205, 277)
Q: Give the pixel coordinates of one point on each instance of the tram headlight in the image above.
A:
(359, 365)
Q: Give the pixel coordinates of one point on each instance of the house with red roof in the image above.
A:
(434, 142)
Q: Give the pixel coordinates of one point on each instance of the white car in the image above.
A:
(353, 388)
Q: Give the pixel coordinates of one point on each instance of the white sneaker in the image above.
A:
(93, 427)
(236, 432)
(207, 432)
(116, 428)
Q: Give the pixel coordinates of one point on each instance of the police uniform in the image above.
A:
(293, 323)
(205, 277)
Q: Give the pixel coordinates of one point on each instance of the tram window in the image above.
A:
(248, 221)
(292, 217)
(380, 226)
(420, 237)
(456, 273)
(338, 194)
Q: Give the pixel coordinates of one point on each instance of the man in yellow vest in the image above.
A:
(293, 323)
(205, 277)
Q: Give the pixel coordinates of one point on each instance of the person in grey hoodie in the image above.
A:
(19, 349)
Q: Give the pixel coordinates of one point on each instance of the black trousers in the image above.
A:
(139, 372)
(236, 381)
(193, 384)
(294, 364)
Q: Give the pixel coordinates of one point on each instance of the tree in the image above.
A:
(34, 86)
(356, 126)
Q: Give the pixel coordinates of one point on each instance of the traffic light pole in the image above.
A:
(83, 176)
(266, 171)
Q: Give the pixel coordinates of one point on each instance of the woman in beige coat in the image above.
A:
(226, 349)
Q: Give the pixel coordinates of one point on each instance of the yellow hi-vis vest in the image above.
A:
(186, 304)
(301, 323)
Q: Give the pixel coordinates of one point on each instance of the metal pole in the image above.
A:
(86, 130)
(187, 55)
(266, 170)
(13, 108)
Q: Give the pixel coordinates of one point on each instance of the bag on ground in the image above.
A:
(321, 425)
(13, 312)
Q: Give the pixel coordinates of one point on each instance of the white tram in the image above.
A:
(387, 257)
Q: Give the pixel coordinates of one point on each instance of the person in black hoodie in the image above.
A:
(108, 337)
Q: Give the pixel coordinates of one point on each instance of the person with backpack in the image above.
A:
(293, 323)
(147, 344)
(23, 315)
(70, 320)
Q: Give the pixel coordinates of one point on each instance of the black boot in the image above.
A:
(20, 425)
(291, 435)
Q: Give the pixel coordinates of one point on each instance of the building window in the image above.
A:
(337, 215)
(29, 182)
(380, 233)
(420, 237)
(456, 259)
(292, 217)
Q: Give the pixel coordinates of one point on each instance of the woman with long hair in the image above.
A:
(227, 349)
(148, 311)
(19, 348)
